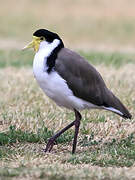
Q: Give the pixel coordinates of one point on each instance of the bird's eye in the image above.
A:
(42, 38)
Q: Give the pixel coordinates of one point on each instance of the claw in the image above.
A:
(49, 145)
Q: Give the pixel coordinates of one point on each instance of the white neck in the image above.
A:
(48, 47)
(40, 58)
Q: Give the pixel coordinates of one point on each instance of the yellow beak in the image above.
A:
(34, 44)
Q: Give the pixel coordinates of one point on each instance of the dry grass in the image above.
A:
(22, 100)
(50, 166)
(23, 104)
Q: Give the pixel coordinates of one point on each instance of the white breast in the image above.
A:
(54, 85)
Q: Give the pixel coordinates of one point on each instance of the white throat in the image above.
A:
(45, 50)
(48, 47)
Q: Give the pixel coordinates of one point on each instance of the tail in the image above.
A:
(115, 105)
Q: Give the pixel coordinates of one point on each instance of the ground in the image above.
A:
(103, 33)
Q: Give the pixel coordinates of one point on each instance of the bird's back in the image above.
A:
(86, 82)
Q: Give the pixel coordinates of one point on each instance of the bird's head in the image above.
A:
(40, 36)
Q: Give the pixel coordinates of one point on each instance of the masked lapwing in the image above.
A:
(70, 81)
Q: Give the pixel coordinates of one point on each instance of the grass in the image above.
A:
(28, 119)
(115, 59)
(118, 153)
(14, 135)
(17, 58)
(113, 153)
(103, 33)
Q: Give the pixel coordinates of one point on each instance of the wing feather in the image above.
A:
(86, 82)
(81, 77)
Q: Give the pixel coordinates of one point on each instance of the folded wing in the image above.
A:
(86, 83)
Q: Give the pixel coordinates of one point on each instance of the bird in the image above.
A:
(70, 81)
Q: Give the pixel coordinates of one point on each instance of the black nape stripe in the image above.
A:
(53, 56)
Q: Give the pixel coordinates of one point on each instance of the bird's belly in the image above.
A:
(56, 88)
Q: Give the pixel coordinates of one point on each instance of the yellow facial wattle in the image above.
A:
(34, 44)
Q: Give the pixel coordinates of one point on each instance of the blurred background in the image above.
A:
(82, 24)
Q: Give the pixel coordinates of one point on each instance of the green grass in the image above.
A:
(18, 58)
(115, 59)
(114, 153)
(14, 135)
(118, 153)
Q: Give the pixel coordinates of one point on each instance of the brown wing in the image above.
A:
(85, 82)
(81, 77)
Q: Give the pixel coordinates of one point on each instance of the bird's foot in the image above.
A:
(50, 145)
